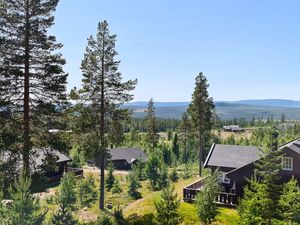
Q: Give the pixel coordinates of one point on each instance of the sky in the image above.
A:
(246, 49)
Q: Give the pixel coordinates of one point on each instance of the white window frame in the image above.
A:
(223, 178)
(287, 163)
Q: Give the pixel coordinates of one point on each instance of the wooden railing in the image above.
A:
(227, 199)
(77, 171)
(223, 198)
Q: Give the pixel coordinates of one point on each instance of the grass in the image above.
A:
(141, 211)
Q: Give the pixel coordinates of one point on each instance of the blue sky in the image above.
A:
(247, 49)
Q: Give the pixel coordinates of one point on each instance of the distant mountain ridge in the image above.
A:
(226, 109)
(255, 102)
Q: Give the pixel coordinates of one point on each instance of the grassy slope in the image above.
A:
(141, 211)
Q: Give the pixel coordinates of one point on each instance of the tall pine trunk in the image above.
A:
(102, 137)
(26, 130)
(200, 154)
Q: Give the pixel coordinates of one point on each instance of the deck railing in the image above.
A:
(77, 171)
(223, 198)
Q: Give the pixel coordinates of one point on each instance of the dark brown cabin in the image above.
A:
(236, 165)
(126, 158)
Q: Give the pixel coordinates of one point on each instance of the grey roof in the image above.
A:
(41, 154)
(233, 156)
(293, 145)
(38, 157)
(128, 154)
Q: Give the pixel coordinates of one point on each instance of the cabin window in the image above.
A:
(223, 178)
(287, 163)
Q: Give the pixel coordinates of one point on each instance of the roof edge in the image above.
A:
(209, 155)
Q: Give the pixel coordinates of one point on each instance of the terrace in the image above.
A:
(224, 198)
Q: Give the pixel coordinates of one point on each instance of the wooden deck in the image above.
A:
(56, 178)
(223, 198)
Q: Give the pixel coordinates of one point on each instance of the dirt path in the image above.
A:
(88, 169)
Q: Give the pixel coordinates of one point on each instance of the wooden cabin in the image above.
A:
(236, 164)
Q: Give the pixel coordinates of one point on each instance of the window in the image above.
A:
(287, 163)
(223, 178)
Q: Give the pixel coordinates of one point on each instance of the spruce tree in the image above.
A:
(31, 74)
(167, 208)
(254, 207)
(86, 191)
(152, 171)
(110, 180)
(116, 188)
(289, 202)
(267, 170)
(133, 185)
(103, 89)
(201, 112)
(66, 200)
(163, 177)
(152, 136)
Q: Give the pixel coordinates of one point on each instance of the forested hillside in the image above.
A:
(225, 110)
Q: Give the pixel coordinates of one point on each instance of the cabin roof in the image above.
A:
(236, 156)
(293, 145)
(38, 156)
(231, 156)
(128, 154)
(42, 153)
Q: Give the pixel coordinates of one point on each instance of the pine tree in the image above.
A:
(175, 146)
(167, 208)
(152, 136)
(110, 180)
(185, 128)
(133, 185)
(25, 208)
(201, 112)
(66, 200)
(86, 193)
(116, 188)
(31, 74)
(289, 202)
(205, 199)
(103, 89)
(163, 177)
(152, 171)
